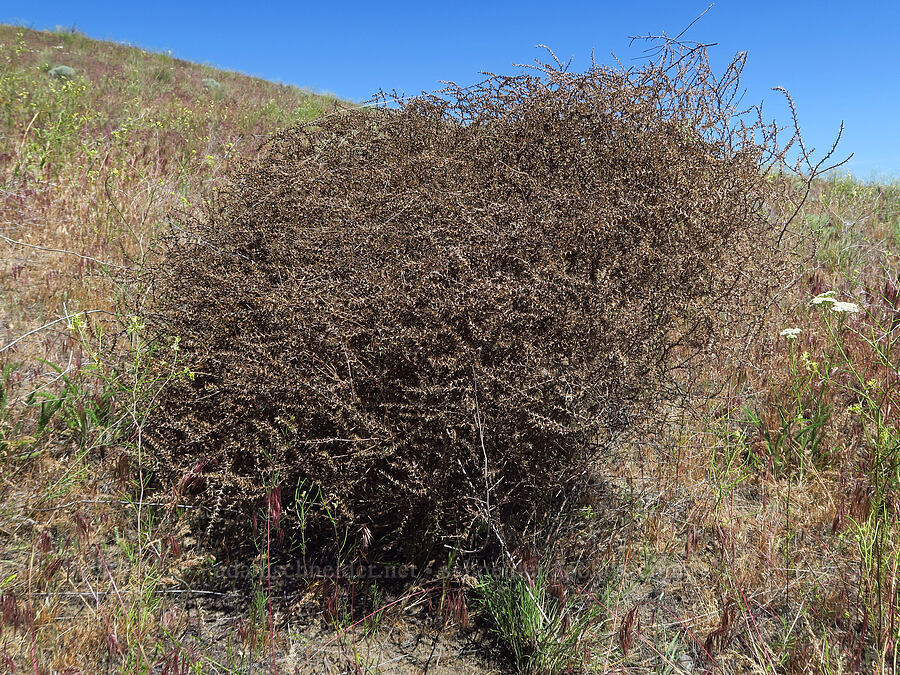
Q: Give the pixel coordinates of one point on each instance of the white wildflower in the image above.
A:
(790, 333)
(845, 307)
(824, 297)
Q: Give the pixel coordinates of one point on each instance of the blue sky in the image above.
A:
(839, 60)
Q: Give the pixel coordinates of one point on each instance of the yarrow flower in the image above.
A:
(845, 307)
(790, 333)
(824, 297)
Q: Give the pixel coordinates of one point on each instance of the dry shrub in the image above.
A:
(440, 309)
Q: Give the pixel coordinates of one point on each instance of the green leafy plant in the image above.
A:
(794, 438)
(62, 72)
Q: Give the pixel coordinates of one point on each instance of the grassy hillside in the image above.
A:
(757, 531)
(94, 162)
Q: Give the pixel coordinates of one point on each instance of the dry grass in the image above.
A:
(754, 533)
(768, 516)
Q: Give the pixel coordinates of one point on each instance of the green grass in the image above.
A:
(542, 621)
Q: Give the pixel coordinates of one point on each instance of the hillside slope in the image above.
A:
(755, 530)
(94, 162)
